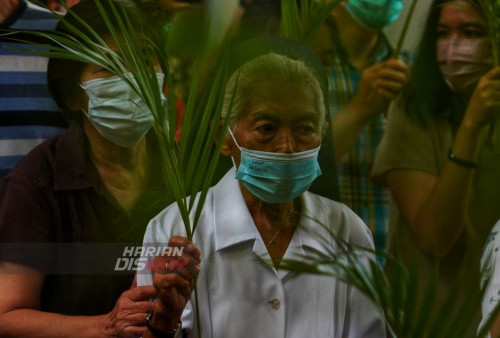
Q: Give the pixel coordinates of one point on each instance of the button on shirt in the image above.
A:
(240, 296)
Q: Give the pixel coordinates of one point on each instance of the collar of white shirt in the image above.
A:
(234, 224)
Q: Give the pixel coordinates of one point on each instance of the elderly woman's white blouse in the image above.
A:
(240, 296)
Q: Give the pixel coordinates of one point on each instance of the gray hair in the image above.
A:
(245, 84)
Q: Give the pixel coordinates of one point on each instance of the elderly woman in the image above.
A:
(261, 210)
(72, 196)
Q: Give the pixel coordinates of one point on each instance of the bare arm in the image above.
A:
(20, 289)
(436, 207)
(379, 84)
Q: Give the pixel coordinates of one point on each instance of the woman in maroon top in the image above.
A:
(92, 185)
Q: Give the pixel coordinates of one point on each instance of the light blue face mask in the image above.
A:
(375, 14)
(277, 177)
(117, 112)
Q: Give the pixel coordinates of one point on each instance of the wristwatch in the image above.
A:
(176, 333)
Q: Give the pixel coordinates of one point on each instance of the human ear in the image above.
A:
(227, 146)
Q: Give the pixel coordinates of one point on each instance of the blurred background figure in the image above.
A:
(75, 202)
(28, 115)
(363, 80)
(438, 159)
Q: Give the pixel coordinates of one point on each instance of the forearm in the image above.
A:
(347, 125)
(31, 323)
(441, 219)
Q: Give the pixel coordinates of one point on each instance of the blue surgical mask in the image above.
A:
(277, 177)
(375, 14)
(117, 112)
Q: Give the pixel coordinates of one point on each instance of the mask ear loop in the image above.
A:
(234, 139)
(235, 142)
(85, 113)
(83, 110)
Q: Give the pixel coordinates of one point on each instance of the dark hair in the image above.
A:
(426, 94)
(63, 75)
(261, 18)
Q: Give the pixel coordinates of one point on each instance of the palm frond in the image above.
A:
(410, 308)
(404, 30)
(301, 19)
(491, 9)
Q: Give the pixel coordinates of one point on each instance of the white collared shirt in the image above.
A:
(240, 296)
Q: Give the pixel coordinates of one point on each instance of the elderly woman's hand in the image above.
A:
(174, 284)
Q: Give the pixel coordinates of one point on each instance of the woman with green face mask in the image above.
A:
(364, 78)
(95, 184)
(375, 14)
(437, 156)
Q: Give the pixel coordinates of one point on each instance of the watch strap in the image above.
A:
(163, 334)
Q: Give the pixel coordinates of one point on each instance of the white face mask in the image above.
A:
(117, 112)
(463, 62)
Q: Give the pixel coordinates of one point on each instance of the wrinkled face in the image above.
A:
(285, 120)
(461, 20)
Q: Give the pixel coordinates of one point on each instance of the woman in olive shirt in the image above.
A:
(436, 157)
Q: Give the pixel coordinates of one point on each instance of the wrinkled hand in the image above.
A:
(379, 84)
(128, 317)
(175, 283)
(484, 105)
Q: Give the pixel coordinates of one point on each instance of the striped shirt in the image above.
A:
(28, 115)
(368, 201)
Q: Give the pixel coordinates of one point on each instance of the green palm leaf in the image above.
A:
(300, 19)
(396, 292)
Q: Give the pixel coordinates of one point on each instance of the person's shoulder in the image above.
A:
(38, 164)
(339, 219)
(35, 17)
(329, 206)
